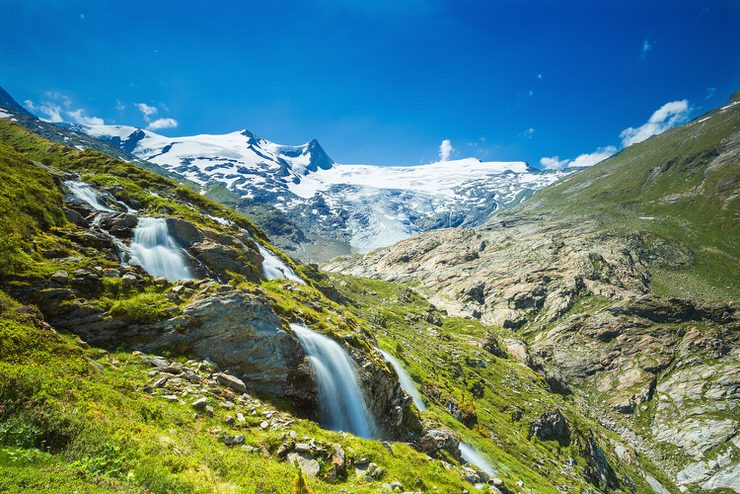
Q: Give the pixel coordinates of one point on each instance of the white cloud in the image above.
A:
(59, 108)
(528, 133)
(445, 150)
(646, 47)
(662, 119)
(665, 117)
(582, 160)
(162, 123)
(53, 112)
(710, 92)
(590, 159)
(146, 110)
(553, 163)
(539, 76)
(79, 117)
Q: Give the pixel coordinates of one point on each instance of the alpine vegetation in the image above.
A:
(190, 308)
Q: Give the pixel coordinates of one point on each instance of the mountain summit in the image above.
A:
(331, 208)
(308, 204)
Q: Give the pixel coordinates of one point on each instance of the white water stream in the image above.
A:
(475, 458)
(404, 378)
(274, 268)
(156, 251)
(467, 451)
(86, 194)
(341, 403)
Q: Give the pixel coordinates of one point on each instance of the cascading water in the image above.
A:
(341, 403)
(475, 458)
(468, 452)
(156, 251)
(404, 378)
(274, 268)
(86, 194)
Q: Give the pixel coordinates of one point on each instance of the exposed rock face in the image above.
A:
(551, 426)
(622, 346)
(508, 271)
(239, 332)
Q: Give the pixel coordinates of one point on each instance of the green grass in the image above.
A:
(442, 361)
(66, 422)
(665, 191)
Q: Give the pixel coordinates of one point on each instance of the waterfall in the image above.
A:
(468, 452)
(341, 403)
(156, 251)
(86, 194)
(475, 458)
(407, 384)
(274, 268)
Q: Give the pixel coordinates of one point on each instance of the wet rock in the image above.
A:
(120, 225)
(75, 217)
(184, 232)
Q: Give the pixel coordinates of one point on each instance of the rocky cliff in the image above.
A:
(620, 286)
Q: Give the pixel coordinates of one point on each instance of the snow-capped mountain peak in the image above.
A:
(236, 160)
(363, 206)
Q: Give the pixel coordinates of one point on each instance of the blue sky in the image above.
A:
(380, 81)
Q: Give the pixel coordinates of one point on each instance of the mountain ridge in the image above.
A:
(311, 206)
(622, 284)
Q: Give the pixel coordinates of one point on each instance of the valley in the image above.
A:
(153, 338)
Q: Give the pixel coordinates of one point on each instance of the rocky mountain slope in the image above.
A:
(622, 283)
(312, 207)
(148, 344)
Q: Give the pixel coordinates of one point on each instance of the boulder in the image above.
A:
(59, 278)
(185, 233)
(305, 462)
(222, 259)
(231, 382)
(121, 225)
(433, 439)
(75, 217)
(236, 331)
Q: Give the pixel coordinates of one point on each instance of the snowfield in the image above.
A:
(366, 206)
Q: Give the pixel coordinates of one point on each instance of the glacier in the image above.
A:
(361, 206)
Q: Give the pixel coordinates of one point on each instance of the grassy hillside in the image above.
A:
(678, 190)
(76, 418)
